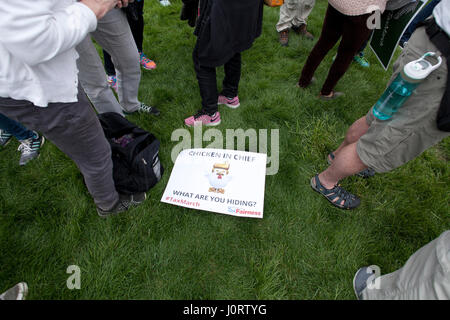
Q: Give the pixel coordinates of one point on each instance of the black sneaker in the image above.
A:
(125, 202)
(138, 198)
(5, 137)
(143, 108)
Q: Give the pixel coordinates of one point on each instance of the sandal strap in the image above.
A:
(337, 195)
(366, 173)
(330, 156)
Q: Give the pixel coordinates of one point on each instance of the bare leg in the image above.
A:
(345, 164)
(356, 131)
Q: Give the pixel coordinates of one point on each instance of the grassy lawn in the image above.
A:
(302, 249)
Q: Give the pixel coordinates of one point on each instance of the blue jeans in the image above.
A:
(421, 16)
(14, 128)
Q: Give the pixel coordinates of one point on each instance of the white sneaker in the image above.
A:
(164, 3)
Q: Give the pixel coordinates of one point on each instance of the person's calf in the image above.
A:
(356, 131)
(345, 164)
(366, 173)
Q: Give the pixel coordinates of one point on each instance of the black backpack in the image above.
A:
(136, 165)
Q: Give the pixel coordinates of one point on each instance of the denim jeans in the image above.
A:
(421, 16)
(15, 128)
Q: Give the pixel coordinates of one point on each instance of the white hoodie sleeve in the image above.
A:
(34, 32)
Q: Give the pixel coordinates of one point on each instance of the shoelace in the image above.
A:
(145, 59)
(26, 146)
(125, 204)
(146, 108)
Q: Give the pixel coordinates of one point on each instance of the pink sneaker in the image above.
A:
(232, 103)
(112, 81)
(146, 63)
(204, 119)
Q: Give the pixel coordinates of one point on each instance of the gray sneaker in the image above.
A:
(126, 201)
(5, 137)
(18, 292)
(143, 108)
(30, 148)
(362, 277)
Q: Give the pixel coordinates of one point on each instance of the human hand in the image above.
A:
(100, 7)
(123, 3)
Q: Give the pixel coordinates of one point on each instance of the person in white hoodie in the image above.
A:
(39, 86)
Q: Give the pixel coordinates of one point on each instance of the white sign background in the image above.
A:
(189, 183)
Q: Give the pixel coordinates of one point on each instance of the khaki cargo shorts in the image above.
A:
(391, 143)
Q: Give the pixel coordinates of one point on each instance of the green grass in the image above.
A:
(302, 249)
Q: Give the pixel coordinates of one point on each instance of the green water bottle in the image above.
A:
(403, 86)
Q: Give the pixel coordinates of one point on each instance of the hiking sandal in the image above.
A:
(366, 173)
(338, 196)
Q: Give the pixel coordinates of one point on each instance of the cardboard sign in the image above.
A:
(384, 41)
(223, 181)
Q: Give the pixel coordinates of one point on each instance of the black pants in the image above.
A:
(354, 32)
(137, 29)
(207, 82)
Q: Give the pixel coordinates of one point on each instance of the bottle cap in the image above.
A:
(419, 69)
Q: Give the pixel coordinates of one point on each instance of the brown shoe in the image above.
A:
(284, 37)
(301, 30)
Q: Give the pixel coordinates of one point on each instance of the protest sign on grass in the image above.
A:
(223, 181)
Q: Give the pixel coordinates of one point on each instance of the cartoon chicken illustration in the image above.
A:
(219, 177)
